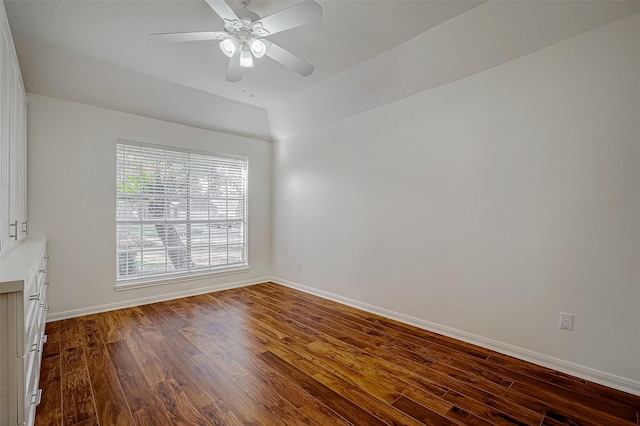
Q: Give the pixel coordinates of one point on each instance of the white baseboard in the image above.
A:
(57, 316)
(601, 377)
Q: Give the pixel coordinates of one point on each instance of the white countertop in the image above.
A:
(16, 263)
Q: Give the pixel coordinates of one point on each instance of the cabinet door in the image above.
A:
(4, 142)
(17, 158)
(14, 156)
(13, 146)
(22, 149)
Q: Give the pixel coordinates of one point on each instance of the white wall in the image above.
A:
(487, 205)
(488, 35)
(60, 74)
(71, 164)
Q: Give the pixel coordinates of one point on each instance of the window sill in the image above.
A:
(153, 282)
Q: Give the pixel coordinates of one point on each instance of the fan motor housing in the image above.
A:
(245, 14)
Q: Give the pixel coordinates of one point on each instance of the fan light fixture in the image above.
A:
(246, 59)
(248, 49)
(258, 48)
(229, 46)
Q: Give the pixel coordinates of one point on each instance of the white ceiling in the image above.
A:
(117, 32)
(366, 52)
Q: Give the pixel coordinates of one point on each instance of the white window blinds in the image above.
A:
(179, 212)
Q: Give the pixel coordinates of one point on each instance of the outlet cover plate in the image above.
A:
(566, 321)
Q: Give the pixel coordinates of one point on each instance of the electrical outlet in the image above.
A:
(566, 321)
(299, 264)
(186, 286)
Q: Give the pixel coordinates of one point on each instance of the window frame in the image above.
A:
(179, 276)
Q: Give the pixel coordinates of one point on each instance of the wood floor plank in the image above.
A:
(77, 398)
(49, 412)
(273, 402)
(493, 416)
(222, 358)
(308, 404)
(141, 346)
(130, 376)
(185, 373)
(464, 417)
(246, 408)
(435, 403)
(551, 422)
(177, 404)
(69, 336)
(52, 330)
(166, 317)
(152, 415)
(421, 413)
(111, 404)
(52, 417)
(270, 355)
(88, 422)
(117, 325)
(219, 414)
(385, 412)
(112, 325)
(332, 399)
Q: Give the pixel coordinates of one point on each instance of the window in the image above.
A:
(178, 212)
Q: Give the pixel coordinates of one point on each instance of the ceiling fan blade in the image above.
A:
(223, 10)
(234, 72)
(192, 36)
(299, 14)
(290, 60)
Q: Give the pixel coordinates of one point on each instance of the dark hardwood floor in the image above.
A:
(267, 354)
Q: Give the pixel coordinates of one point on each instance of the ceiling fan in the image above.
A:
(243, 38)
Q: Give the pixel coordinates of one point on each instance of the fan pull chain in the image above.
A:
(253, 95)
(244, 81)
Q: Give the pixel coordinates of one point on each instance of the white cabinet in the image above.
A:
(23, 264)
(13, 142)
(23, 309)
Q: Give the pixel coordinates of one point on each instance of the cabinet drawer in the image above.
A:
(40, 278)
(32, 355)
(42, 308)
(33, 394)
(35, 334)
(30, 415)
(31, 296)
(31, 330)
